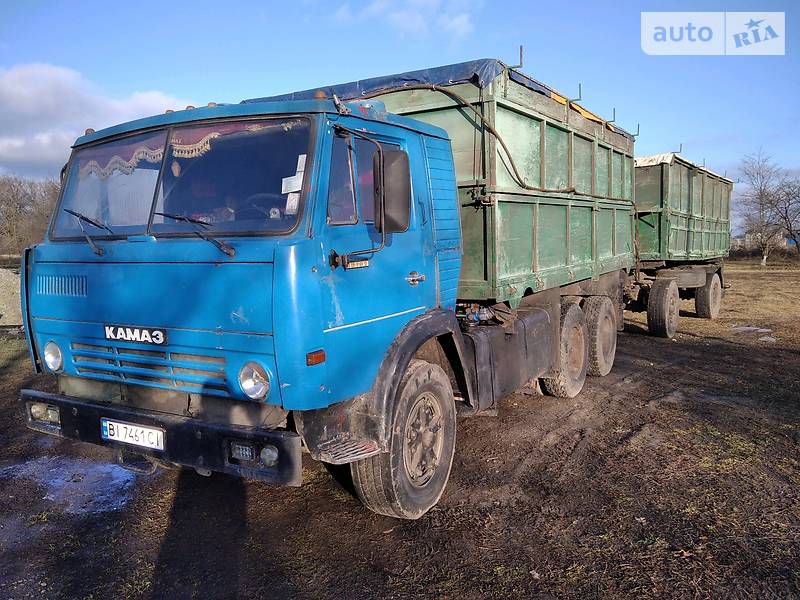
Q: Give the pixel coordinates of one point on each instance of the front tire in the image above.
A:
(408, 480)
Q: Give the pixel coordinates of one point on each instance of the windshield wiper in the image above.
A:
(90, 220)
(81, 218)
(223, 247)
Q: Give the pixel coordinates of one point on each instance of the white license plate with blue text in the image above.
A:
(130, 433)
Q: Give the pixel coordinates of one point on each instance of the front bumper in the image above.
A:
(187, 441)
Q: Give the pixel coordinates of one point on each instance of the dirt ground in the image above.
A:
(678, 475)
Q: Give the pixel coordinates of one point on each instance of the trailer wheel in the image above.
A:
(601, 323)
(570, 374)
(409, 479)
(708, 299)
(663, 308)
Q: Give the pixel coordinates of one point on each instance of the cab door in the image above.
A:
(368, 303)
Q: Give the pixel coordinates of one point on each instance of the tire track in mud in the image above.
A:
(551, 448)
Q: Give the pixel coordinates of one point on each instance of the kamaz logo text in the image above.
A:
(135, 334)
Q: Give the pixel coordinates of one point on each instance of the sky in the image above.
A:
(66, 66)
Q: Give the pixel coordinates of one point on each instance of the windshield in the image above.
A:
(233, 177)
(114, 184)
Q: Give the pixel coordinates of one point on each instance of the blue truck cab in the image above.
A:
(220, 283)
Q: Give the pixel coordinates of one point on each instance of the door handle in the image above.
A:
(414, 278)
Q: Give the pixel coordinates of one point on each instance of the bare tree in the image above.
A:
(787, 209)
(763, 181)
(25, 208)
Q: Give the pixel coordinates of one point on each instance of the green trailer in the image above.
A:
(683, 236)
(564, 216)
(683, 210)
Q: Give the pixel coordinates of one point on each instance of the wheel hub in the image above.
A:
(423, 440)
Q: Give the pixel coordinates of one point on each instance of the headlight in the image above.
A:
(52, 357)
(254, 381)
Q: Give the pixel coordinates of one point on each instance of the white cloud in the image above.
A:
(415, 18)
(459, 25)
(44, 107)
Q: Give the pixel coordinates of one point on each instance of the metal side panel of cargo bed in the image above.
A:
(518, 241)
(683, 210)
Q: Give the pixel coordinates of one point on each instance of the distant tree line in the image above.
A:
(25, 209)
(769, 204)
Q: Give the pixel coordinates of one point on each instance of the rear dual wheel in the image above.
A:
(601, 323)
(568, 376)
(708, 299)
(663, 307)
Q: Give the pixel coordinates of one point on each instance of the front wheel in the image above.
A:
(408, 481)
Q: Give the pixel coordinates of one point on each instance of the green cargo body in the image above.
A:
(517, 241)
(683, 210)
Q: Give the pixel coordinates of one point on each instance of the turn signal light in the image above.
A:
(314, 358)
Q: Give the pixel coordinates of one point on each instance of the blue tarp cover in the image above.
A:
(479, 72)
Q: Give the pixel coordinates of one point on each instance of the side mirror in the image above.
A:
(393, 185)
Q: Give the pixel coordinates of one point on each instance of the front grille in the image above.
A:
(178, 371)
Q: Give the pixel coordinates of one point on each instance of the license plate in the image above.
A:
(130, 433)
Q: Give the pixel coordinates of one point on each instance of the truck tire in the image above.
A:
(708, 299)
(570, 374)
(409, 479)
(663, 308)
(601, 322)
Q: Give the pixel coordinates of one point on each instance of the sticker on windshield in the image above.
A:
(294, 183)
(292, 202)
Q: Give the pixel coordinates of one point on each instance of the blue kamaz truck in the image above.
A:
(224, 288)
